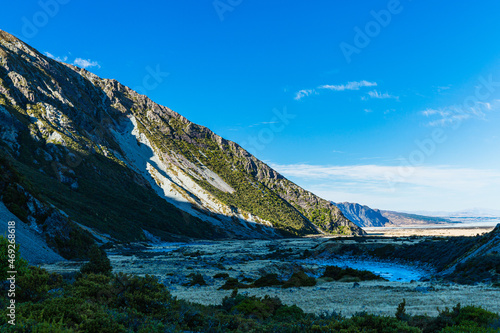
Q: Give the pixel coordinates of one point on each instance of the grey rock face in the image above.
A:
(363, 216)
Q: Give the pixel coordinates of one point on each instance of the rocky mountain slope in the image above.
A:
(116, 162)
(480, 262)
(363, 216)
(398, 218)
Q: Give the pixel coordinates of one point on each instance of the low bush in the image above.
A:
(221, 276)
(196, 280)
(299, 279)
(349, 274)
(98, 262)
(12, 258)
(233, 283)
(35, 285)
(267, 280)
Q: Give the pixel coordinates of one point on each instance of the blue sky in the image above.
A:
(393, 104)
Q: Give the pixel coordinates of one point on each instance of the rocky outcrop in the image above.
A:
(363, 216)
(121, 164)
(39, 222)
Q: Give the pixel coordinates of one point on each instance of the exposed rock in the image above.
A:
(119, 153)
(363, 216)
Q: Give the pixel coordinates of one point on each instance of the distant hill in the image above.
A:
(398, 218)
(363, 216)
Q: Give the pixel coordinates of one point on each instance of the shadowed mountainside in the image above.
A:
(115, 161)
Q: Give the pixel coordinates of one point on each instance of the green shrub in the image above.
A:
(73, 313)
(289, 313)
(349, 274)
(373, 323)
(143, 294)
(95, 287)
(268, 280)
(233, 283)
(196, 279)
(34, 285)
(221, 276)
(19, 263)
(299, 279)
(98, 262)
(474, 314)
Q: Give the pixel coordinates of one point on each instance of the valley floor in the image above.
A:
(381, 298)
(172, 264)
(428, 230)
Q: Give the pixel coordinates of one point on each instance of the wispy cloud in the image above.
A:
(390, 187)
(443, 88)
(84, 63)
(352, 85)
(304, 93)
(50, 55)
(376, 94)
(439, 176)
(379, 95)
(453, 114)
(264, 123)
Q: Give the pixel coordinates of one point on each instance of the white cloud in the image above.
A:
(443, 88)
(304, 93)
(354, 85)
(454, 114)
(50, 55)
(399, 187)
(86, 63)
(83, 63)
(264, 123)
(376, 94)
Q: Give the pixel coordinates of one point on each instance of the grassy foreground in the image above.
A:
(95, 300)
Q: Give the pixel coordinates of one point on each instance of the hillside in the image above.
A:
(398, 218)
(115, 161)
(363, 216)
(480, 263)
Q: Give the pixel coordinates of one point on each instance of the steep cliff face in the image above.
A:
(115, 161)
(363, 216)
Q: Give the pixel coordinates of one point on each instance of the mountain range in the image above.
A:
(94, 157)
(365, 216)
(472, 212)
